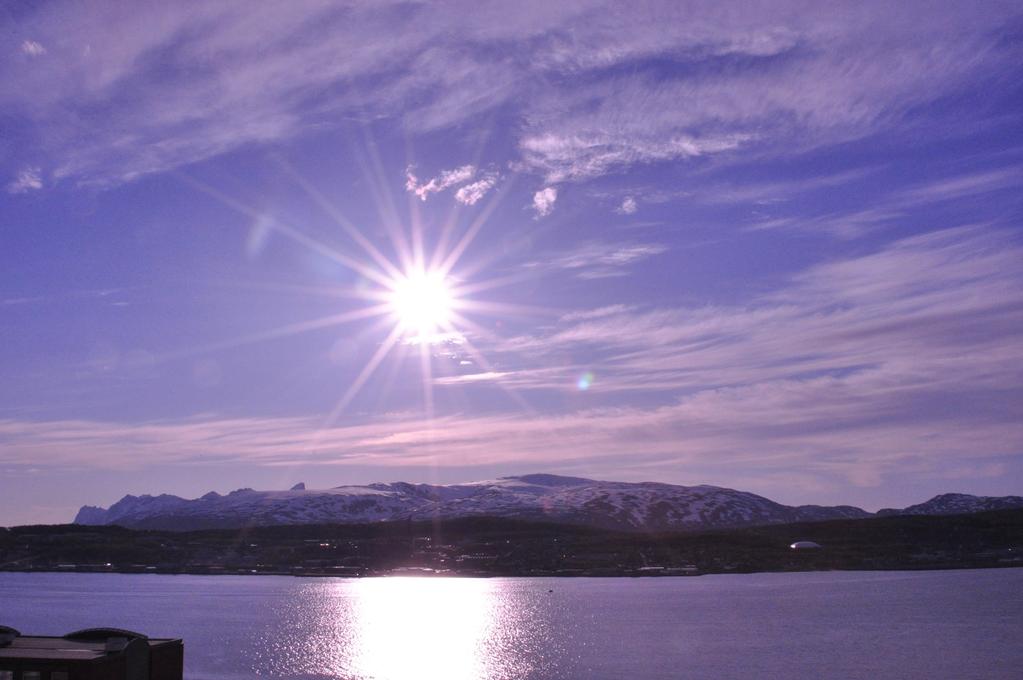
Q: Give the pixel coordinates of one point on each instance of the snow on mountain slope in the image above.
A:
(957, 503)
(645, 506)
(246, 507)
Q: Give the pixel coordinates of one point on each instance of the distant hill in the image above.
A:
(957, 504)
(646, 506)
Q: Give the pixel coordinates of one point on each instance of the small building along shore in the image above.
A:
(90, 654)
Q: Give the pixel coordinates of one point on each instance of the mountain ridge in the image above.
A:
(956, 504)
(635, 506)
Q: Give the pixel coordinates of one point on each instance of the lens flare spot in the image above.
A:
(585, 381)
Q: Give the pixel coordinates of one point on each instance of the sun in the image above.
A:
(420, 295)
(421, 302)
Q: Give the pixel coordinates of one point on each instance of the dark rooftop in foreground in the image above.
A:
(90, 654)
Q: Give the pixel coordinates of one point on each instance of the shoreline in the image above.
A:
(501, 547)
(422, 573)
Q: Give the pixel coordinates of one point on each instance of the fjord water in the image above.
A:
(951, 624)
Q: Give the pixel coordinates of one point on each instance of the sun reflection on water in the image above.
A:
(405, 627)
(423, 628)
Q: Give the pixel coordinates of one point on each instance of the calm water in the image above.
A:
(962, 624)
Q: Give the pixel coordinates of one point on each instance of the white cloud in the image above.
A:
(28, 179)
(543, 201)
(32, 48)
(469, 194)
(628, 206)
(585, 153)
(445, 180)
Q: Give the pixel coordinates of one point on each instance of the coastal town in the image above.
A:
(502, 547)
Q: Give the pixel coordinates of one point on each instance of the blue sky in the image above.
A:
(770, 246)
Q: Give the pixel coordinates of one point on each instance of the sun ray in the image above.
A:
(400, 355)
(456, 207)
(487, 366)
(282, 332)
(330, 291)
(292, 233)
(416, 229)
(451, 259)
(373, 170)
(426, 371)
(465, 324)
(462, 290)
(340, 219)
(367, 371)
(446, 231)
(503, 308)
(488, 258)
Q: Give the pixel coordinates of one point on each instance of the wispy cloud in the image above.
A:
(819, 83)
(543, 201)
(896, 205)
(29, 179)
(599, 260)
(781, 429)
(23, 300)
(628, 206)
(945, 304)
(610, 310)
(32, 48)
(127, 94)
(778, 191)
(486, 376)
(960, 186)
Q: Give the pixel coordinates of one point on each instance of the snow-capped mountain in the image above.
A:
(957, 504)
(623, 505)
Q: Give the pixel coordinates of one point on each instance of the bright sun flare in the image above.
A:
(421, 301)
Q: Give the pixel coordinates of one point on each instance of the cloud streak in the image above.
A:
(945, 301)
(598, 260)
(897, 205)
